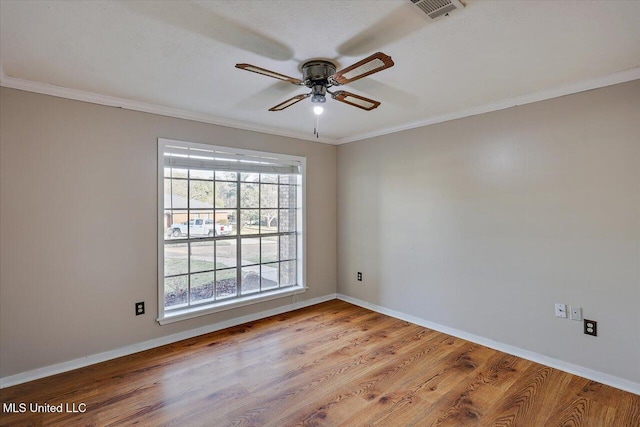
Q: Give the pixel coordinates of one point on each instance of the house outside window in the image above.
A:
(230, 228)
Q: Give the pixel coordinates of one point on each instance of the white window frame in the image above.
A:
(232, 153)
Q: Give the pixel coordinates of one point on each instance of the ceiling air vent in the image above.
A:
(438, 8)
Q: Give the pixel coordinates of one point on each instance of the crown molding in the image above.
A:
(95, 98)
(585, 85)
(112, 101)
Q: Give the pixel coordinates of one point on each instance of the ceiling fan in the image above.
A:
(320, 75)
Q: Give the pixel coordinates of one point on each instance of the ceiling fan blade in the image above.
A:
(372, 64)
(203, 21)
(393, 26)
(289, 102)
(355, 100)
(269, 73)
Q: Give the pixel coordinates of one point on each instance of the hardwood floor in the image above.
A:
(331, 364)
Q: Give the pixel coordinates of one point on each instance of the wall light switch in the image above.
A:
(575, 313)
(561, 310)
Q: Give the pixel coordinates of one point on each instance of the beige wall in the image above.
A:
(483, 223)
(78, 211)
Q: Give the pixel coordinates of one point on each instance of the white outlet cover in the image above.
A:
(561, 310)
(575, 312)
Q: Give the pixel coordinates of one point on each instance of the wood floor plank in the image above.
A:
(326, 365)
(360, 386)
(345, 364)
(462, 385)
(525, 400)
(627, 410)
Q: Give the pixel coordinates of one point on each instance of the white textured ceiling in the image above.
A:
(178, 57)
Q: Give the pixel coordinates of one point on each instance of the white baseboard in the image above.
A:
(47, 371)
(561, 365)
(581, 371)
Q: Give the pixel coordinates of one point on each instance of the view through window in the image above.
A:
(231, 225)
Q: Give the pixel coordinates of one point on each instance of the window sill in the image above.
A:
(190, 313)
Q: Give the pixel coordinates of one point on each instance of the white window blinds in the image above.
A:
(177, 155)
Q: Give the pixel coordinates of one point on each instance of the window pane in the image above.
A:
(249, 177)
(287, 196)
(249, 221)
(269, 178)
(250, 280)
(226, 194)
(268, 196)
(226, 253)
(202, 256)
(175, 193)
(200, 224)
(226, 283)
(269, 276)
(201, 174)
(226, 222)
(175, 291)
(226, 176)
(200, 194)
(175, 173)
(286, 179)
(287, 220)
(268, 220)
(287, 273)
(249, 196)
(250, 251)
(288, 247)
(172, 223)
(176, 258)
(202, 285)
(269, 249)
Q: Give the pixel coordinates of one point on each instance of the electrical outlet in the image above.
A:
(359, 277)
(139, 308)
(561, 310)
(575, 313)
(591, 327)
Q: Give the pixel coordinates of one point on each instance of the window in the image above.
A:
(230, 228)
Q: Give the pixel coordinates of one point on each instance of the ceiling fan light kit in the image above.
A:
(320, 75)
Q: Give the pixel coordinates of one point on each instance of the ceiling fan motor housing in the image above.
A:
(315, 75)
(317, 71)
